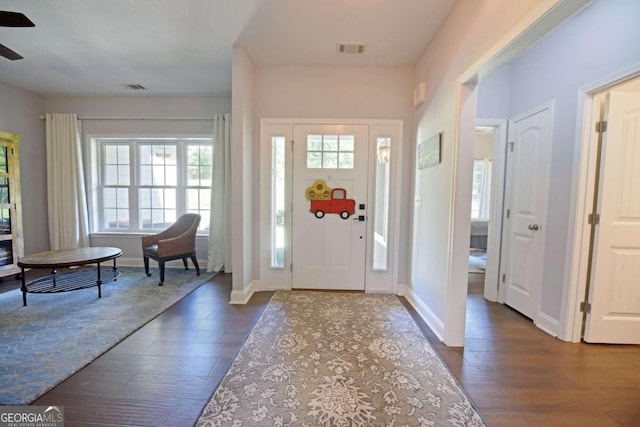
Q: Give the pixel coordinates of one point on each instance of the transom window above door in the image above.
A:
(330, 151)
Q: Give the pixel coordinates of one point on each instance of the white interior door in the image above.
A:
(330, 173)
(614, 292)
(527, 177)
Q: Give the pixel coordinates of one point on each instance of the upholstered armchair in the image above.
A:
(176, 242)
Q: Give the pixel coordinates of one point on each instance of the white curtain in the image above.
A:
(485, 193)
(67, 201)
(219, 249)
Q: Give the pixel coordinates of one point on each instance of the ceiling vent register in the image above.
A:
(134, 86)
(351, 48)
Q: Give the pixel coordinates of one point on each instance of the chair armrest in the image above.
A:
(149, 240)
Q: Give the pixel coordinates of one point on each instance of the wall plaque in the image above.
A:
(429, 152)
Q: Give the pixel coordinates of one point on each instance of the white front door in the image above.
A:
(527, 176)
(330, 174)
(614, 291)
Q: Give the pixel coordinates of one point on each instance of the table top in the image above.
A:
(69, 257)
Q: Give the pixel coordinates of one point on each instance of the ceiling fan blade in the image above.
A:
(9, 54)
(14, 19)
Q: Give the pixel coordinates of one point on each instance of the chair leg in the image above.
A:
(184, 261)
(195, 263)
(146, 266)
(161, 264)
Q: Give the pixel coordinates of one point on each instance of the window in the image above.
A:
(381, 212)
(481, 190)
(146, 184)
(277, 201)
(330, 151)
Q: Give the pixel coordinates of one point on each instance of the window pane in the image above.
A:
(193, 202)
(205, 199)
(157, 219)
(123, 198)
(314, 142)
(109, 198)
(278, 200)
(4, 191)
(111, 175)
(144, 198)
(345, 161)
(346, 142)
(170, 198)
(204, 221)
(330, 160)
(145, 219)
(314, 160)
(381, 208)
(123, 154)
(123, 174)
(330, 143)
(111, 154)
(5, 221)
(146, 175)
(145, 154)
(171, 174)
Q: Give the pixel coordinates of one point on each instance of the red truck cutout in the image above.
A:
(336, 204)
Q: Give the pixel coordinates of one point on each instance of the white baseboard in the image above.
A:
(548, 324)
(243, 296)
(433, 321)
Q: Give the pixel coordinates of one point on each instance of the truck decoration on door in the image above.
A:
(325, 200)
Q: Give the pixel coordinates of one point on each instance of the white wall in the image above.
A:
(344, 93)
(483, 148)
(140, 107)
(245, 204)
(19, 112)
(437, 288)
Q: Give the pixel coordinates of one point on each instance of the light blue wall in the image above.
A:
(19, 113)
(601, 39)
(494, 95)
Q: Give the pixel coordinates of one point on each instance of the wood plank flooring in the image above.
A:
(517, 375)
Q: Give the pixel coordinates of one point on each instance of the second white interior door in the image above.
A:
(329, 231)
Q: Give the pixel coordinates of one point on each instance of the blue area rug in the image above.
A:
(58, 334)
(477, 261)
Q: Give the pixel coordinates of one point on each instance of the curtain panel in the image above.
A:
(66, 196)
(219, 247)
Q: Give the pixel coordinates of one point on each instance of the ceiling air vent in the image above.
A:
(134, 86)
(351, 48)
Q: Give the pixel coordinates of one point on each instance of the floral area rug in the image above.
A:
(337, 359)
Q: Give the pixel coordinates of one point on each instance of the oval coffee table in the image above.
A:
(72, 280)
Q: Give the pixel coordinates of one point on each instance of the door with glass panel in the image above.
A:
(329, 197)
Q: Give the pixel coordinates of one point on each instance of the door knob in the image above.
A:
(534, 227)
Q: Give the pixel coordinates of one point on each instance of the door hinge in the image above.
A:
(594, 219)
(585, 307)
(511, 144)
(601, 126)
(508, 213)
(504, 277)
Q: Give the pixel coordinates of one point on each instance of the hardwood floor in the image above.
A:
(164, 373)
(517, 375)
